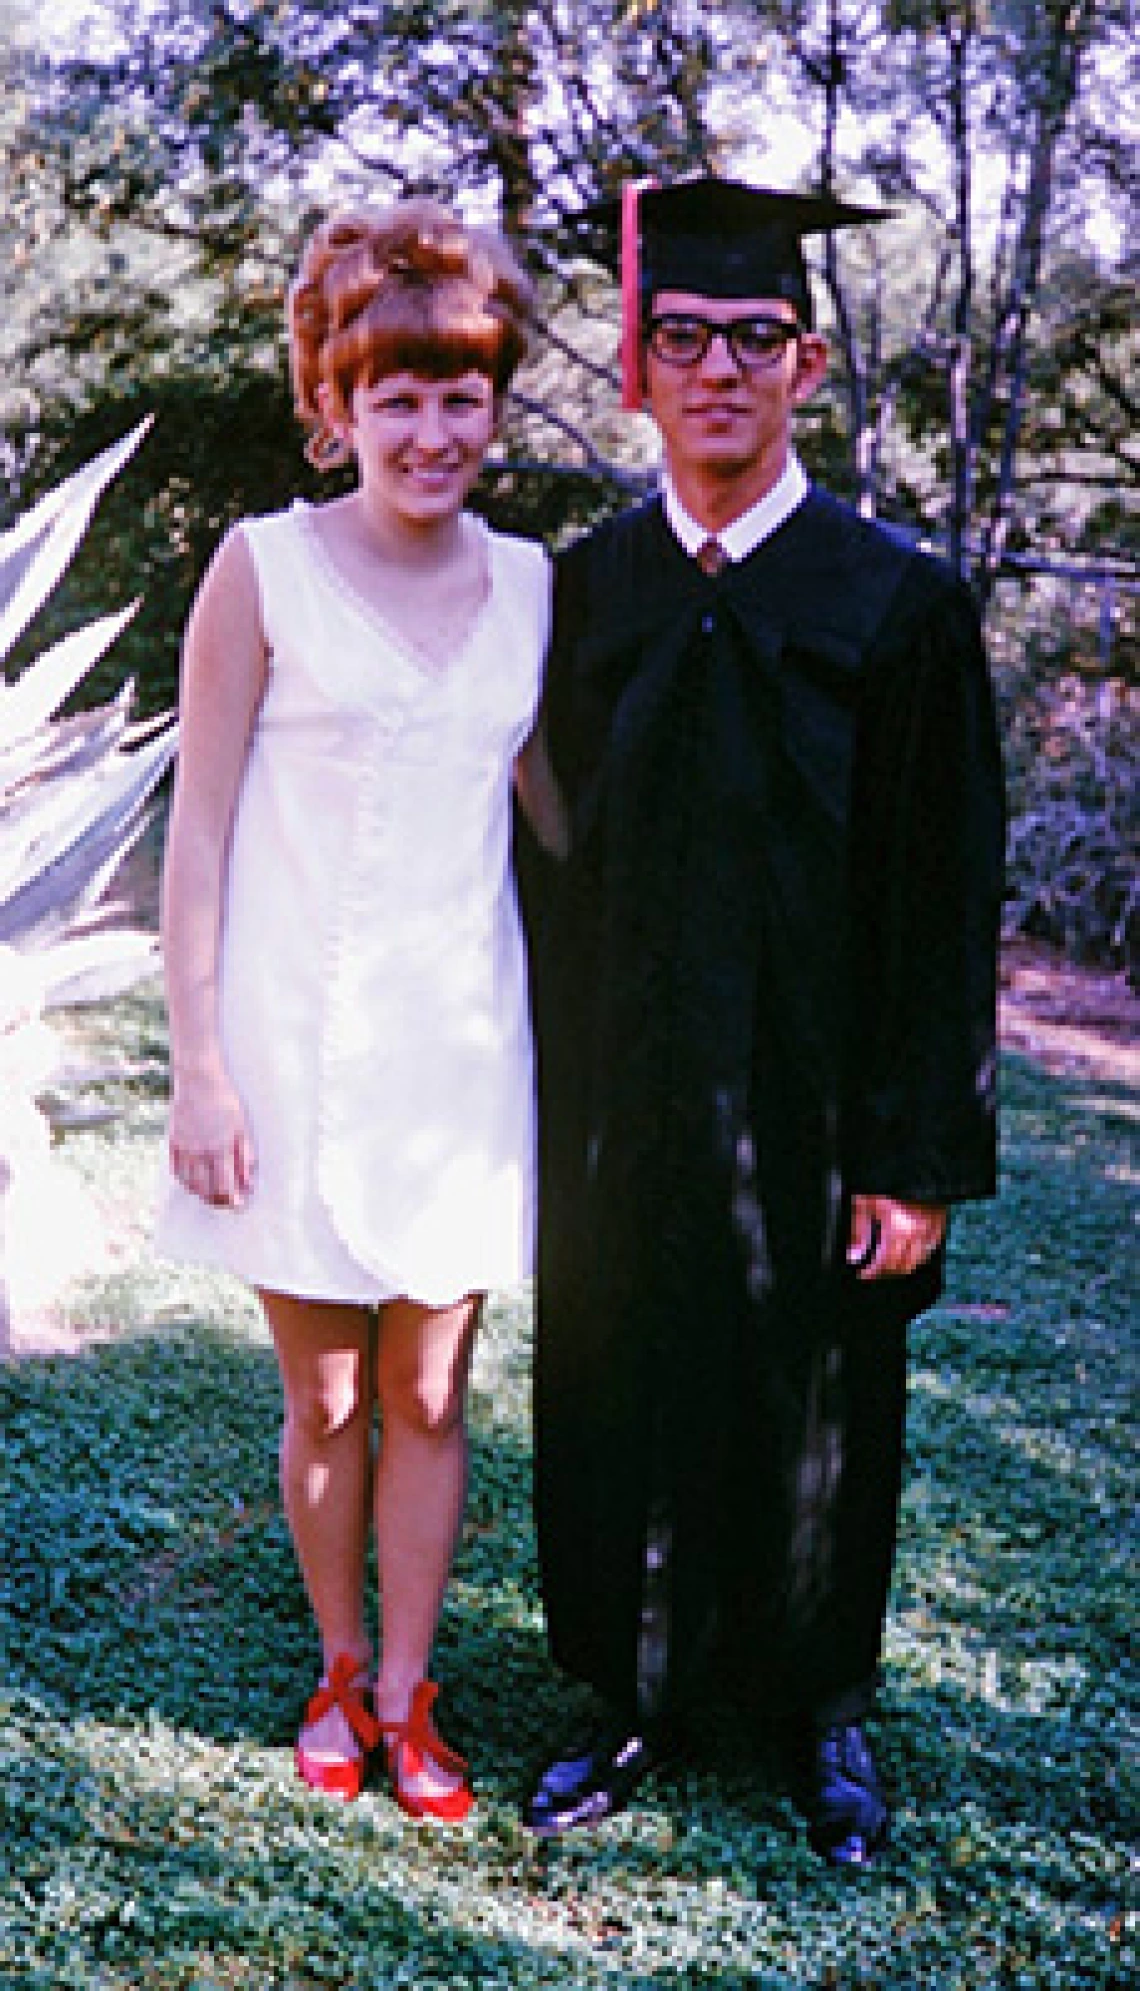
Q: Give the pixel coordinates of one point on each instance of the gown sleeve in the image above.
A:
(927, 859)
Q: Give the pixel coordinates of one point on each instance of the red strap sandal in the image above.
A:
(413, 1746)
(344, 1687)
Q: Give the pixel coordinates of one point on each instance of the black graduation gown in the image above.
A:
(764, 979)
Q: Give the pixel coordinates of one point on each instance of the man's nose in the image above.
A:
(719, 361)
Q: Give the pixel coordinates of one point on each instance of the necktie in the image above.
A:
(711, 557)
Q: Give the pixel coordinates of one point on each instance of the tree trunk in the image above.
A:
(961, 453)
(510, 143)
(1069, 31)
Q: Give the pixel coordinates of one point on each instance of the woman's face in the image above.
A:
(420, 443)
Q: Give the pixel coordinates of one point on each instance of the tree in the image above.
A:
(156, 182)
(176, 164)
(996, 125)
(160, 181)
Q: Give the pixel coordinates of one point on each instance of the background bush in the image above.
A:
(1070, 721)
(1072, 878)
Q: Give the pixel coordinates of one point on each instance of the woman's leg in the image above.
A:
(423, 1360)
(325, 1353)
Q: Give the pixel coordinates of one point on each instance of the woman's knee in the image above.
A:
(324, 1354)
(325, 1400)
(425, 1402)
(423, 1359)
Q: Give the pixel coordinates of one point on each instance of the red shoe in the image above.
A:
(344, 1688)
(413, 1746)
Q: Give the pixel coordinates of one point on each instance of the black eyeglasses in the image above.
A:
(680, 339)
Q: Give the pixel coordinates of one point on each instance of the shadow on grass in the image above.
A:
(157, 1648)
(263, 1892)
(147, 1568)
(148, 1573)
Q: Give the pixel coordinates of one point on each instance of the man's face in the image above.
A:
(720, 416)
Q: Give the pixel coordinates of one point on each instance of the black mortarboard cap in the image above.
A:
(718, 237)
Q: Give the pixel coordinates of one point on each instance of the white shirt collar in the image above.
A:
(744, 534)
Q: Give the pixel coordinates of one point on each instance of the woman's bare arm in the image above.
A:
(223, 678)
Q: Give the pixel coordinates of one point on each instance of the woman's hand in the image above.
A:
(888, 1238)
(211, 1148)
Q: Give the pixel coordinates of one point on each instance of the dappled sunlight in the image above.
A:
(1079, 1460)
(930, 1649)
(161, 1650)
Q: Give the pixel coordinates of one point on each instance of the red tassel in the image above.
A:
(630, 265)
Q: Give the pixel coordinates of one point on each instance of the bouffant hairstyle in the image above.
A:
(410, 287)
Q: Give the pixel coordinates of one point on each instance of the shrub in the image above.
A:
(75, 794)
(1072, 747)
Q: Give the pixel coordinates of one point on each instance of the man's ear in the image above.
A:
(811, 365)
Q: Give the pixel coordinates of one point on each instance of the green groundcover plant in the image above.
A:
(157, 1649)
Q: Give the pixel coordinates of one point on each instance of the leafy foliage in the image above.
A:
(74, 798)
(1073, 858)
(180, 155)
(73, 791)
(158, 178)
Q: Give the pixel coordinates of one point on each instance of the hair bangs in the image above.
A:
(438, 331)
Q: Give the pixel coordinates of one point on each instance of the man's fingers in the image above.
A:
(865, 1234)
(866, 1237)
(889, 1240)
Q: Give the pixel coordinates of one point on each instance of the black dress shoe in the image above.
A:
(848, 1819)
(597, 1774)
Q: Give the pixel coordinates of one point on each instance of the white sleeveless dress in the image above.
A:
(373, 995)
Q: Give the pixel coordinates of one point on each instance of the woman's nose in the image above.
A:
(431, 429)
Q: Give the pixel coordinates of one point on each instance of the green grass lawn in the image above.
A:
(156, 1651)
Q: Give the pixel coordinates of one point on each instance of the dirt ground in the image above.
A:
(1069, 1019)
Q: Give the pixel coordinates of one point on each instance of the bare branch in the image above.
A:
(593, 459)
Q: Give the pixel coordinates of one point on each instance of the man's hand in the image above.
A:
(889, 1238)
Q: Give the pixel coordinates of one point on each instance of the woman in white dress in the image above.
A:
(351, 1121)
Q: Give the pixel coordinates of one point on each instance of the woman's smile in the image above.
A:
(420, 442)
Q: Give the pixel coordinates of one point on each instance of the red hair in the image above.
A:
(409, 287)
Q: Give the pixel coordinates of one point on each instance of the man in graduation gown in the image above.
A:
(765, 990)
